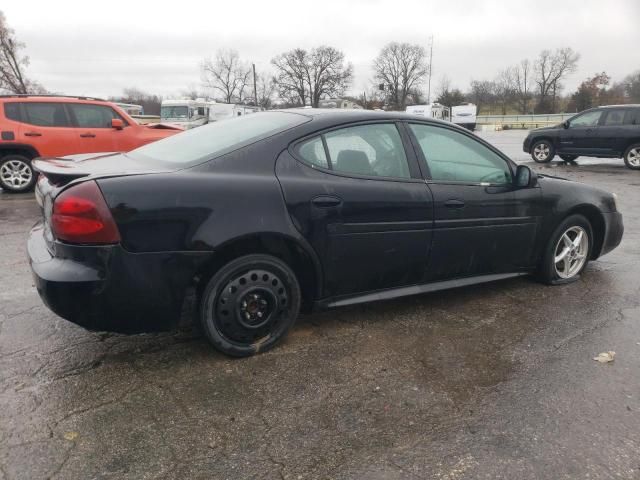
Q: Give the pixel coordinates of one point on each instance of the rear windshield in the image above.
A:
(214, 139)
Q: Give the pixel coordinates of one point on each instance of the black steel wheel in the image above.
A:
(249, 305)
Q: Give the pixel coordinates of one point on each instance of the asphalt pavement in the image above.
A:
(490, 381)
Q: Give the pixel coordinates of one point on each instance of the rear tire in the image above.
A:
(249, 305)
(16, 174)
(566, 255)
(632, 157)
(569, 158)
(542, 151)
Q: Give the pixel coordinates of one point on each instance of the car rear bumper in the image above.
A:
(614, 229)
(109, 289)
(526, 145)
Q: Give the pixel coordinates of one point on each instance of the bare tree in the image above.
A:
(266, 89)
(523, 82)
(401, 67)
(482, 93)
(12, 76)
(290, 77)
(227, 74)
(303, 75)
(504, 90)
(444, 87)
(550, 69)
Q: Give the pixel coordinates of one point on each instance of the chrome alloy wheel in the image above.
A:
(633, 157)
(571, 252)
(541, 152)
(16, 174)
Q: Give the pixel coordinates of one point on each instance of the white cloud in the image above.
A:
(158, 46)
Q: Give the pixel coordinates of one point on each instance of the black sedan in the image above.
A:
(263, 216)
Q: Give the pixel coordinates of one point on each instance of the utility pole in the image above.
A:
(430, 68)
(255, 86)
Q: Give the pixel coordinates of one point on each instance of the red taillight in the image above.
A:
(80, 215)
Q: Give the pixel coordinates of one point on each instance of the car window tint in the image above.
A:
(453, 156)
(373, 150)
(589, 119)
(12, 111)
(312, 151)
(614, 117)
(46, 114)
(632, 117)
(93, 116)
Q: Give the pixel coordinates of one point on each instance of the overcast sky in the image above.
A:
(99, 48)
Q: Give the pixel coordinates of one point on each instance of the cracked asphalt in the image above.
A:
(491, 381)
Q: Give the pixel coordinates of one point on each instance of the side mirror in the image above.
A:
(525, 177)
(565, 124)
(117, 123)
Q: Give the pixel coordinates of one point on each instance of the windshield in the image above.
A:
(214, 139)
(174, 111)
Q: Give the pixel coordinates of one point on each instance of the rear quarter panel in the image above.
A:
(201, 208)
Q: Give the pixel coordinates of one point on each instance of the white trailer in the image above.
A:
(430, 110)
(185, 113)
(465, 115)
(222, 111)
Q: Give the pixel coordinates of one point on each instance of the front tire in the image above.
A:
(568, 251)
(542, 151)
(569, 158)
(632, 157)
(249, 305)
(16, 174)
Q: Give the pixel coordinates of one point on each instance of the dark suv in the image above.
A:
(605, 132)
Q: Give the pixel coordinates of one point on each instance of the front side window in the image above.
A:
(453, 156)
(93, 116)
(372, 150)
(614, 117)
(589, 119)
(45, 114)
(174, 111)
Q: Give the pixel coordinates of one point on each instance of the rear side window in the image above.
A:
(632, 117)
(93, 116)
(12, 111)
(372, 150)
(45, 114)
(312, 152)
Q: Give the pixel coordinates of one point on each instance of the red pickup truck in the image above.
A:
(53, 126)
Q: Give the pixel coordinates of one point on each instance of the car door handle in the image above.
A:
(454, 204)
(32, 134)
(326, 201)
(87, 135)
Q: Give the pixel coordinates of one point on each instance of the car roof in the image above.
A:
(339, 115)
(52, 98)
(628, 105)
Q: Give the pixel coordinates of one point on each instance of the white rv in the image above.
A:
(430, 110)
(222, 111)
(185, 113)
(465, 115)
